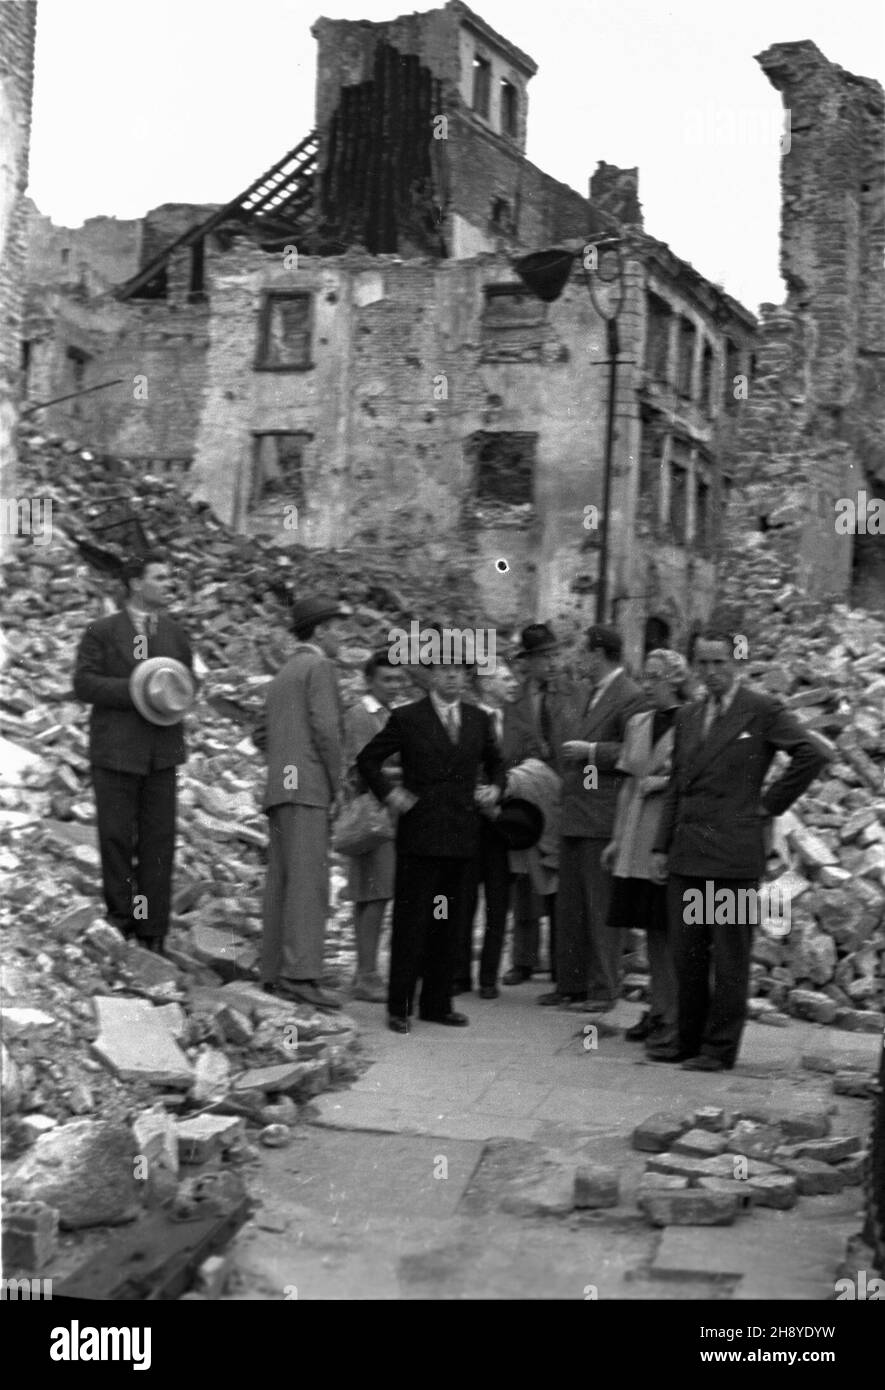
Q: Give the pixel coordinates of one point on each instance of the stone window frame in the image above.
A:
(253, 504)
(268, 299)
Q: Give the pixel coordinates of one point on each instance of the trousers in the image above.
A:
(588, 954)
(491, 869)
(428, 913)
(712, 1014)
(296, 894)
(136, 840)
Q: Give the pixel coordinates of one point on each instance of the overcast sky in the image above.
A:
(189, 101)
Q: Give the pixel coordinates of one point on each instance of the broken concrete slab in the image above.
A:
(212, 1075)
(813, 1178)
(156, 1137)
(700, 1143)
(232, 957)
(830, 1150)
(85, 1169)
(25, 1023)
(137, 1045)
(551, 1193)
(298, 1079)
(692, 1208)
(657, 1133)
(742, 1192)
(202, 1137)
(854, 1083)
(30, 1235)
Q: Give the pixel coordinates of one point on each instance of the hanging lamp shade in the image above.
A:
(545, 272)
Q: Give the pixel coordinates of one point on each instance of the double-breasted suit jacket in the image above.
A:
(444, 822)
(714, 813)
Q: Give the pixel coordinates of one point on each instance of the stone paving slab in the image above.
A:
(135, 1042)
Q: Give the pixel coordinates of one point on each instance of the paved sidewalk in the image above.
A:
(355, 1209)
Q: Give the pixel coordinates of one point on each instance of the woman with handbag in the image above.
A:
(637, 899)
(370, 874)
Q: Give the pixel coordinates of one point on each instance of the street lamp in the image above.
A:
(545, 274)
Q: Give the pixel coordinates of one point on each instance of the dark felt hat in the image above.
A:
(536, 638)
(314, 610)
(520, 823)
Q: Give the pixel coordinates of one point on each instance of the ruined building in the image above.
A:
(18, 21)
(813, 429)
(346, 355)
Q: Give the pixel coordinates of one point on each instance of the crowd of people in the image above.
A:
(588, 801)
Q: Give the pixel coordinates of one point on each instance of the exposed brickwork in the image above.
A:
(18, 20)
(812, 428)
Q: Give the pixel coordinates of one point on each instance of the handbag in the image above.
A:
(362, 826)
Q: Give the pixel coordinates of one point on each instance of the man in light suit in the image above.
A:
(133, 757)
(444, 744)
(712, 836)
(299, 732)
(588, 954)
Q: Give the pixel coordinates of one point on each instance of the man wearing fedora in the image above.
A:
(534, 711)
(135, 669)
(444, 744)
(299, 731)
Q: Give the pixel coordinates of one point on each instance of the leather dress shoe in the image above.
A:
(557, 998)
(489, 992)
(307, 992)
(397, 1025)
(704, 1062)
(640, 1031)
(451, 1020)
(517, 975)
(664, 1052)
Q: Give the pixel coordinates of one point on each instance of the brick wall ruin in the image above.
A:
(18, 20)
(813, 425)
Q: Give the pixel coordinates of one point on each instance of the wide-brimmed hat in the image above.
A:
(536, 638)
(162, 689)
(520, 823)
(314, 610)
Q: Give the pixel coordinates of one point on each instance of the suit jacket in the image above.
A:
(444, 822)
(120, 738)
(299, 732)
(590, 811)
(522, 716)
(714, 812)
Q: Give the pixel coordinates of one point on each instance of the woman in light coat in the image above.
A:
(637, 901)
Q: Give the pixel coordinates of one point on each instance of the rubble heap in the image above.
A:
(98, 1034)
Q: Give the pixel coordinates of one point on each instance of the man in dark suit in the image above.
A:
(588, 955)
(714, 827)
(133, 759)
(299, 731)
(444, 743)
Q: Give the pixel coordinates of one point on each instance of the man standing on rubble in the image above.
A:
(299, 731)
(135, 669)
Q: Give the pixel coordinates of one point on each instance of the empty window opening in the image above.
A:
(278, 468)
(284, 341)
(509, 107)
(504, 466)
(482, 85)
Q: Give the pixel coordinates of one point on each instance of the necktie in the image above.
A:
(451, 725)
(714, 710)
(544, 714)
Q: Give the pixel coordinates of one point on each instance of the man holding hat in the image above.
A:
(299, 732)
(135, 669)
